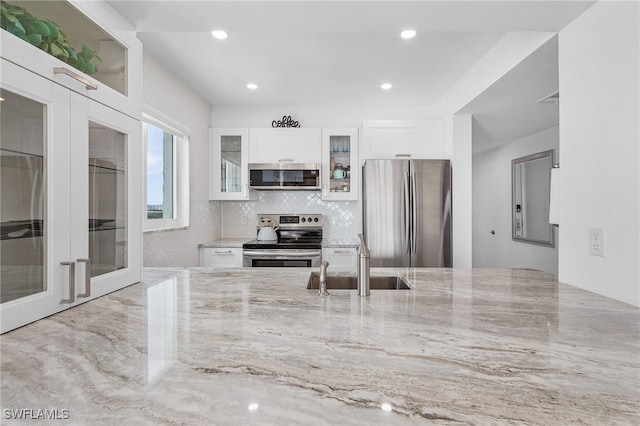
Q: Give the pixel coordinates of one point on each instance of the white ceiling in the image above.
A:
(509, 109)
(334, 53)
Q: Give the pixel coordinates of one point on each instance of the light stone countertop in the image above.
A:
(243, 346)
(237, 243)
(340, 243)
(225, 242)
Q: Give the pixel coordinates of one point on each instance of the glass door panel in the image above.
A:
(340, 163)
(107, 199)
(107, 192)
(231, 164)
(22, 196)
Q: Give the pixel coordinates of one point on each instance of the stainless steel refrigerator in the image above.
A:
(407, 212)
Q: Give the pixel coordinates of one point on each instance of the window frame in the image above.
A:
(181, 196)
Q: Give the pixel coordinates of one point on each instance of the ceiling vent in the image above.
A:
(553, 98)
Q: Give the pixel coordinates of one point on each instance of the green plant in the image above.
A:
(46, 35)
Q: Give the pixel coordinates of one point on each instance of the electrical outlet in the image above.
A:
(243, 219)
(596, 242)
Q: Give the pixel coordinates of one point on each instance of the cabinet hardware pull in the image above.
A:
(88, 84)
(87, 277)
(407, 213)
(244, 192)
(285, 160)
(414, 215)
(341, 251)
(403, 155)
(72, 282)
(222, 252)
(324, 190)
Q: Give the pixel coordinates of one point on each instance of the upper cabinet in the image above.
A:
(339, 164)
(83, 45)
(285, 145)
(70, 155)
(229, 158)
(383, 139)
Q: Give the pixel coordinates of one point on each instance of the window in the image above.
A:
(160, 171)
(167, 174)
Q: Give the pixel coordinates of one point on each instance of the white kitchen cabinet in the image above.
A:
(223, 257)
(229, 165)
(339, 174)
(341, 258)
(384, 139)
(117, 79)
(285, 145)
(70, 215)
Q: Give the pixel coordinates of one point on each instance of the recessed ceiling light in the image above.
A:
(219, 34)
(252, 86)
(386, 86)
(408, 34)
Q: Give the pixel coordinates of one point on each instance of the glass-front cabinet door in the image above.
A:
(106, 185)
(34, 197)
(340, 164)
(229, 165)
(61, 40)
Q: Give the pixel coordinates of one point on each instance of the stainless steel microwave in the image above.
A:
(284, 176)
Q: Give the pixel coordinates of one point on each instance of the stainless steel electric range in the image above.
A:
(299, 243)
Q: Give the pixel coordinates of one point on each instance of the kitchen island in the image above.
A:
(254, 346)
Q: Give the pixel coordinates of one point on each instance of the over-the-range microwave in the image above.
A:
(284, 176)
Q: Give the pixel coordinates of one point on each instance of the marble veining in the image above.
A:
(252, 346)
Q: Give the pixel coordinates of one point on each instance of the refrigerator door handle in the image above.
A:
(407, 213)
(414, 214)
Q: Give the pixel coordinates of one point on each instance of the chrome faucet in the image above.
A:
(322, 288)
(364, 281)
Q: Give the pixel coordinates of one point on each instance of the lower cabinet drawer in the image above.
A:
(230, 257)
(340, 259)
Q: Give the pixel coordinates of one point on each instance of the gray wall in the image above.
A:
(492, 207)
(599, 134)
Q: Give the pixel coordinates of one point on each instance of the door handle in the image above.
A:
(72, 282)
(407, 214)
(87, 277)
(414, 214)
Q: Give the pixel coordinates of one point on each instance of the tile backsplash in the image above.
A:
(340, 217)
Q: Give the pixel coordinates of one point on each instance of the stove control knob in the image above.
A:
(309, 220)
(315, 219)
(304, 220)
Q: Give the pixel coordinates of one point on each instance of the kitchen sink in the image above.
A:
(351, 283)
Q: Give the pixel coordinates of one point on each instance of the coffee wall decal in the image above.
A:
(286, 121)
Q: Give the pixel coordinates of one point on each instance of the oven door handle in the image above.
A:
(281, 254)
